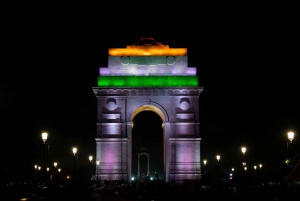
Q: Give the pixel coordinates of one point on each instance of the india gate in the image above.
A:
(148, 76)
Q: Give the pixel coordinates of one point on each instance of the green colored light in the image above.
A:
(147, 81)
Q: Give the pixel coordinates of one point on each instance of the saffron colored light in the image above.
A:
(148, 51)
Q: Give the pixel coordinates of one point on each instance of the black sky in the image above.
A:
(247, 65)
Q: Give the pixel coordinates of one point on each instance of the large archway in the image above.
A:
(156, 79)
(147, 137)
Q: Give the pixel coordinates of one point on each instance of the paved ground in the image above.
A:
(148, 193)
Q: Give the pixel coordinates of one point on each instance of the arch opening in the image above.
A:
(147, 138)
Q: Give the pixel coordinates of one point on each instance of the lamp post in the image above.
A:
(39, 173)
(218, 159)
(54, 174)
(48, 170)
(44, 138)
(97, 166)
(244, 153)
(74, 152)
(259, 174)
(204, 170)
(204, 162)
(290, 146)
(232, 176)
(255, 167)
(90, 158)
(36, 173)
(59, 174)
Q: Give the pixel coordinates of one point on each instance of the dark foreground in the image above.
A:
(147, 193)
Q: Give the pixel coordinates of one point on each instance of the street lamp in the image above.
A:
(74, 152)
(291, 136)
(290, 146)
(54, 174)
(44, 138)
(244, 150)
(204, 161)
(254, 172)
(97, 164)
(36, 173)
(245, 168)
(90, 158)
(218, 159)
(39, 175)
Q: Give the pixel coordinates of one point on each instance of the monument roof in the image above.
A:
(146, 42)
(147, 47)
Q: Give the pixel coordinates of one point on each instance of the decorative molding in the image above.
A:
(111, 116)
(185, 139)
(185, 115)
(192, 91)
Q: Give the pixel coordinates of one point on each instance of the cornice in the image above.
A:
(130, 91)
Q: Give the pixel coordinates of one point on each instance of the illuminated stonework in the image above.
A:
(146, 64)
(148, 76)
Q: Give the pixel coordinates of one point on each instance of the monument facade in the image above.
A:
(148, 76)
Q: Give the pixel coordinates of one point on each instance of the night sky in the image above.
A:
(248, 67)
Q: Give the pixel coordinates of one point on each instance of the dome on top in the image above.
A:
(148, 42)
